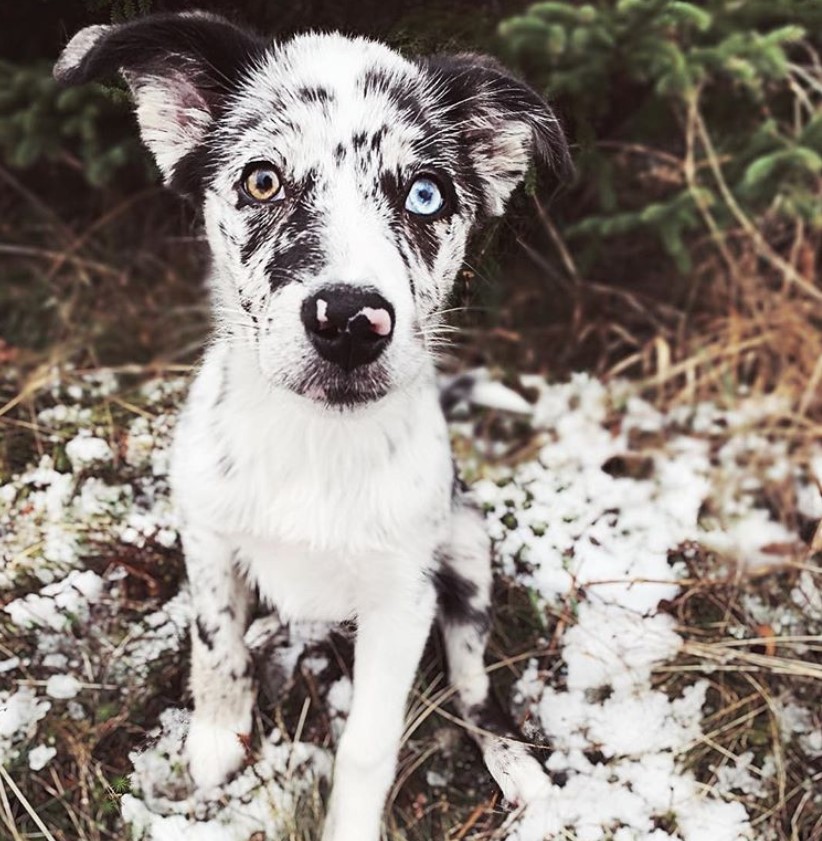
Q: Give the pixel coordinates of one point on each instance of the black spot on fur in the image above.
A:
(258, 232)
(308, 189)
(377, 138)
(406, 101)
(339, 154)
(375, 80)
(192, 172)
(455, 594)
(299, 248)
(423, 237)
(406, 255)
(302, 253)
(315, 94)
(390, 186)
(205, 634)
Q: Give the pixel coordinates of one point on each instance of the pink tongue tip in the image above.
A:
(379, 319)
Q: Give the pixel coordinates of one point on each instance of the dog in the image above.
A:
(339, 183)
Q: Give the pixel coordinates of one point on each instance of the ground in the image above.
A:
(657, 630)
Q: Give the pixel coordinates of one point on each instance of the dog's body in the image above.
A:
(339, 184)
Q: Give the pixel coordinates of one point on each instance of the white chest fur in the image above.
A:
(326, 509)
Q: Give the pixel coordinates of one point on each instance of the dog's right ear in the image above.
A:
(180, 68)
(502, 122)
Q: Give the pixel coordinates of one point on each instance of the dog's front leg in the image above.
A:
(390, 641)
(221, 671)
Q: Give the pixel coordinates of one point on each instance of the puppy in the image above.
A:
(339, 182)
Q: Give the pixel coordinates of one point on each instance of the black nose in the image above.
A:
(348, 325)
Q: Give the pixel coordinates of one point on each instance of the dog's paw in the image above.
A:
(213, 753)
(520, 776)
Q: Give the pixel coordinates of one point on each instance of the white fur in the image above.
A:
(78, 47)
(173, 117)
(333, 518)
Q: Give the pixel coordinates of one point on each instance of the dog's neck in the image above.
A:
(270, 438)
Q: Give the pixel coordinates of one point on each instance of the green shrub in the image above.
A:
(88, 128)
(689, 119)
(120, 10)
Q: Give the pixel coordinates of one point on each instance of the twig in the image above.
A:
(45, 254)
(763, 248)
(8, 816)
(559, 243)
(689, 167)
(297, 734)
(26, 805)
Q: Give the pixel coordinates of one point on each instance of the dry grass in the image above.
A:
(750, 667)
(750, 677)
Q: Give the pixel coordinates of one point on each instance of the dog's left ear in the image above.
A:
(503, 123)
(181, 69)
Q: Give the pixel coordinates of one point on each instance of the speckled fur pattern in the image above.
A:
(331, 493)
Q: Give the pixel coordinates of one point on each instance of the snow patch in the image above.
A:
(58, 604)
(261, 798)
(63, 687)
(20, 712)
(40, 756)
(85, 450)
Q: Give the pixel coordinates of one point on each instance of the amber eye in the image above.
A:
(261, 182)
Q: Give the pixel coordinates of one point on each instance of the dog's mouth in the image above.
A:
(330, 385)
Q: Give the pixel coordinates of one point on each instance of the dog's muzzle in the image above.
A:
(348, 325)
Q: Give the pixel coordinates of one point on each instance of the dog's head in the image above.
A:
(339, 183)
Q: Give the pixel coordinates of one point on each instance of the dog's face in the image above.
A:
(339, 183)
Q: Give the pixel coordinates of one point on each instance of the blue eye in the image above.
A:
(425, 197)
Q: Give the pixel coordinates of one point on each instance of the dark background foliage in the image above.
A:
(684, 252)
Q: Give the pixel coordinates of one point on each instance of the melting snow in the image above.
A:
(62, 687)
(571, 531)
(262, 798)
(86, 449)
(19, 713)
(592, 535)
(40, 756)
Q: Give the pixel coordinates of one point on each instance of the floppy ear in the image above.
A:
(504, 123)
(180, 68)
